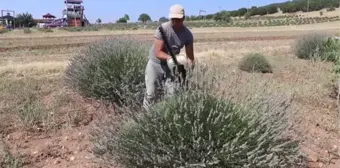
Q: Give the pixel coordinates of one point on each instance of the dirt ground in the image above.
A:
(32, 66)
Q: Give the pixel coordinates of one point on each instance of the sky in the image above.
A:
(111, 10)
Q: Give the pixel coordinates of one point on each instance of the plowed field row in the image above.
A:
(16, 42)
(79, 44)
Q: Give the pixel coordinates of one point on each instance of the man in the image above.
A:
(158, 73)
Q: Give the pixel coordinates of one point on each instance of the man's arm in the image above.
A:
(189, 49)
(158, 45)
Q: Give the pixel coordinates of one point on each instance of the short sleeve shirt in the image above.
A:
(176, 40)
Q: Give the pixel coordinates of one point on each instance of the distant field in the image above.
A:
(326, 13)
(262, 23)
(332, 26)
(54, 133)
(58, 39)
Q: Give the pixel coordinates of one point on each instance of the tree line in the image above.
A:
(26, 19)
(285, 7)
(142, 18)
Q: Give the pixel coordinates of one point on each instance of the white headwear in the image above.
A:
(176, 11)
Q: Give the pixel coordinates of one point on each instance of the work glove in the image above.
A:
(181, 59)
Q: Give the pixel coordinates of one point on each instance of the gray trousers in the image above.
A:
(159, 83)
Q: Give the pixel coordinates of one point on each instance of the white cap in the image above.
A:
(176, 11)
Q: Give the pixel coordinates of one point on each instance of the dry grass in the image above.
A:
(26, 56)
(270, 47)
(34, 92)
(32, 69)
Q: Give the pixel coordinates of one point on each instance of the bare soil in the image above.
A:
(68, 144)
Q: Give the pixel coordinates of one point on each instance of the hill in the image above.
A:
(276, 9)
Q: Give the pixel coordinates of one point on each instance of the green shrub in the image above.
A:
(255, 62)
(91, 28)
(73, 29)
(27, 30)
(307, 46)
(33, 114)
(336, 68)
(111, 69)
(330, 49)
(330, 9)
(7, 159)
(45, 30)
(317, 46)
(3, 31)
(196, 129)
(334, 87)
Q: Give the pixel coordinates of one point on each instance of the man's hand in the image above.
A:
(192, 64)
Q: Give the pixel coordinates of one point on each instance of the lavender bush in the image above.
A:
(317, 46)
(197, 128)
(255, 62)
(110, 70)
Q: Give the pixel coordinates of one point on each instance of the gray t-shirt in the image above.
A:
(176, 40)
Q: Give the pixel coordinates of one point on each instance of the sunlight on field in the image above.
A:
(35, 101)
(37, 69)
(264, 90)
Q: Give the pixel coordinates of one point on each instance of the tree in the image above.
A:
(209, 16)
(286, 7)
(242, 11)
(247, 15)
(234, 13)
(25, 20)
(218, 16)
(144, 17)
(271, 9)
(223, 16)
(253, 11)
(99, 21)
(163, 19)
(260, 11)
(126, 16)
(122, 20)
(193, 17)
